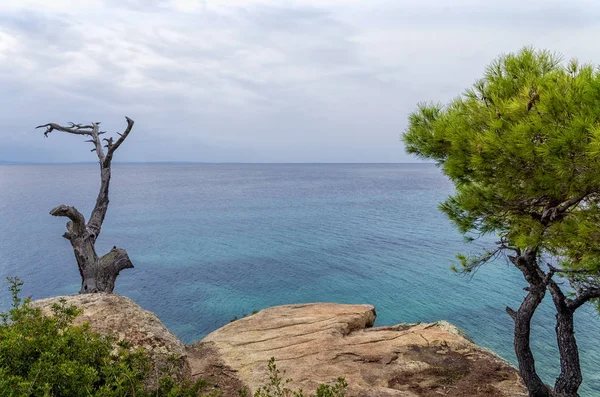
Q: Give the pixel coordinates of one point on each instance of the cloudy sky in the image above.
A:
(256, 80)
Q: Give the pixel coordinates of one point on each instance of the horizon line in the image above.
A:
(194, 162)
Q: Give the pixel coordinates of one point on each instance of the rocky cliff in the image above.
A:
(124, 320)
(313, 343)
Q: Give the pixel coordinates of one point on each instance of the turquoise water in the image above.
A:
(211, 242)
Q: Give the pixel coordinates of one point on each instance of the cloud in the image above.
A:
(255, 80)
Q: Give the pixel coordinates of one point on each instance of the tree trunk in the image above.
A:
(522, 333)
(570, 377)
(527, 263)
(98, 274)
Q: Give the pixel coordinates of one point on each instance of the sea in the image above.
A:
(212, 242)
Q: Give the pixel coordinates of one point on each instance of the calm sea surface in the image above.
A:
(211, 242)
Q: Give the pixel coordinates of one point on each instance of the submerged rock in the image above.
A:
(316, 343)
(120, 317)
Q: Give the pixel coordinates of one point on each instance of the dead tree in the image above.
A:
(98, 274)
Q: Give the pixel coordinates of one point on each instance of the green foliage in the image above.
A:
(277, 386)
(48, 356)
(522, 147)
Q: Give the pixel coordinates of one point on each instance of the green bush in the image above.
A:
(48, 356)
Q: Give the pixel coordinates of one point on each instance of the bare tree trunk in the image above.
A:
(98, 274)
(527, 263)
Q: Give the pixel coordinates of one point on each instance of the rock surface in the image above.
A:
(316, 343)
(313, 344)
(120, 317)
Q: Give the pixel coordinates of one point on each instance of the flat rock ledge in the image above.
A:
(317, 343)
(123, 319)
(313, 343)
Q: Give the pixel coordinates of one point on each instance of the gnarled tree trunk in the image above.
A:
(527, 263)
(586, 286)
(570, 377)
(98, 274)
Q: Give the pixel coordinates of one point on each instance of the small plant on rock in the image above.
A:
(277, 386)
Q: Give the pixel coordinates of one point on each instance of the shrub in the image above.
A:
(48, 356)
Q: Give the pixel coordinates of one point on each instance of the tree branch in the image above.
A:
(118, 259)
(585, 296)
(77, 129)
(99, 211)
(557, 212)
(569, 271)
(548, 277)
(559, 298)
(511, 313)
(571, 202)
(77, 224)
(113, 147)
(98, 144)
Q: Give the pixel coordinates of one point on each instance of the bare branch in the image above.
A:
(121, 139)
(51, 127)
(98, 143)
(69, 211)
(118, 258)
(81, 126)
(77, 224)
(77, 129)
(99, 211)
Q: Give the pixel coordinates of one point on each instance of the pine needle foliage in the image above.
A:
(521, 143)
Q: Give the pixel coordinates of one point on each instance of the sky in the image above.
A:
(256, 80)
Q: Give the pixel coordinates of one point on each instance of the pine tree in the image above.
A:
(522, 147)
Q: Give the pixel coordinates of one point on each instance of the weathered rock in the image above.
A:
(315, 343)
(120, 317)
